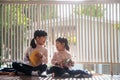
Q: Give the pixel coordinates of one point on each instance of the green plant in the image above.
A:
(48, 12)
(117, 25)
(12, 20)
(90, 10)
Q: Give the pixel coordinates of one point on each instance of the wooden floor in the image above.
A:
(100, 77)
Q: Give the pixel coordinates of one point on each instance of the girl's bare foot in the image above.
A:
(12, 74)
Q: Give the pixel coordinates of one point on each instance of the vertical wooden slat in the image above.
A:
(19, 32)
(13, 54)
(20, 29)
(63, 19)
(17, 35)
(116, 33)
(24, 33)
(42, 20)
(87, 56)
(51, 26)
(54, 23)
(82, 31)
(57, 20)
(68, 14)
(45, 24)
(94, 38)
(118, 37)
(78, 28)
(111, 41)
(84, 37)
(81, 34)
(113, 31)
(32, 21)
(97, 39)
(11, 39)
(100, 36)
(104, 34)
(7, 33)
(29, 32)
(35, 12)
(38, 15)
(72, 31)
(14, 10)
(119, 32)
(11, 32)
(89, 26)
(66, 19)
(69, 19)
(60, 11)
(3, 46)
(49, 38)
(77, 37)
(23, 30)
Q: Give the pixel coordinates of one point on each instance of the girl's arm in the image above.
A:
(45, 57)
(26, 56)
(68, 62)
(55, 60)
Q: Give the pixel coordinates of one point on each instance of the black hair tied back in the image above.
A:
(37, 33)
(33, 43)
(63, 40)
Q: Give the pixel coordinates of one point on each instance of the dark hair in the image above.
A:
(37, 33)
(63, 40)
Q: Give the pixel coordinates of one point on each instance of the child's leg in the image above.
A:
(22, 68)
(7, 69)
(79, 74)
(84, 73)
(58, 72)
(41, 68)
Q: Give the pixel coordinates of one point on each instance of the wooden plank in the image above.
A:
(100, 77)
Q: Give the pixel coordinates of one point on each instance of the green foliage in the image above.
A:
(117, 26)
(90, 10)
(17, 15)
(72, 39)
(18, 18)
(48, 12)
(14, 21)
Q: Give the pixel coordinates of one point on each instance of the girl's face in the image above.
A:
(60, 46)
(41, 40)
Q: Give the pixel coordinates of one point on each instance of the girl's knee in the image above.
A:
(15, 65)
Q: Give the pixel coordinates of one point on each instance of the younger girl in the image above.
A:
(36, 45)
(62, 61)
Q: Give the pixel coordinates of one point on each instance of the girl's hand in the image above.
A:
(68, 63)
(39, 55)
(36, 58)
(59, 64)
